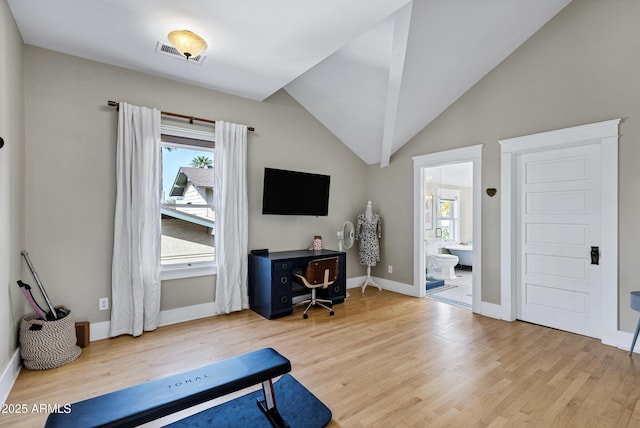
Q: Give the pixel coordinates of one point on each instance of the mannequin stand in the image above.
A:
(369, 281)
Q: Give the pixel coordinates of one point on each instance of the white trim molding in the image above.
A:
(100, 330)
(604, 134)
(9, 375)
(465, 154)
(195, 134)
(385, 284)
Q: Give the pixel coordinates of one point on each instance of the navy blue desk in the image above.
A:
(271, 285)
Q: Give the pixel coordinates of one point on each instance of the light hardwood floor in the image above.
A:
(383, 360)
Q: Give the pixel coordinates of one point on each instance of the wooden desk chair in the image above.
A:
(319, 273)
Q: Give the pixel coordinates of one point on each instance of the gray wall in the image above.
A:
(582, 67)
(70, 170)
(12, 305)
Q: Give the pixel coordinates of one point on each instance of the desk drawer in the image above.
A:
(280, 266)
(281, 293)
(284, 265)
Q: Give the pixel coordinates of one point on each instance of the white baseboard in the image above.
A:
(490, 310)
(385, 284)
(189, 313)
(100, 330)
(9, 375)
(397, 287)
(355, 282)
(622, 340)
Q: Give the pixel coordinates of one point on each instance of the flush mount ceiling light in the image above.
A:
(187, 43)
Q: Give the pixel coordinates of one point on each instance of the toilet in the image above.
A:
(441, 266)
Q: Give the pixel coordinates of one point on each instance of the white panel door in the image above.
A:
(559, 208)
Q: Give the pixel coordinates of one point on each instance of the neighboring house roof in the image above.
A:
(201, 178)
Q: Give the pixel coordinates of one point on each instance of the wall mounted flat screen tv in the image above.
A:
(295, 193)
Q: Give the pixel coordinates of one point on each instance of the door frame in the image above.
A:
(471, 154)
(604, 134)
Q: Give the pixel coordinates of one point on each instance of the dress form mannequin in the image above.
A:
(368, 211)
(368, 231)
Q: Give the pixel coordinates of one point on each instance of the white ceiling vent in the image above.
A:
(169, 50)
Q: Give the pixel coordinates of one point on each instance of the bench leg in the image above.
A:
(268, 406)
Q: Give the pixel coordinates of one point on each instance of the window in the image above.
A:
(446, 219)
(188, 210)
(449, 214)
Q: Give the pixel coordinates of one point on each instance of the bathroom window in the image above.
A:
(449, 214)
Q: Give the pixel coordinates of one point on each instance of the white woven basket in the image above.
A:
(49, 346)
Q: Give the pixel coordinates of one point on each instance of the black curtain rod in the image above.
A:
(182, 116)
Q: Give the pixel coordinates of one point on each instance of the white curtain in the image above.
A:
(231, 217)
(135, 275)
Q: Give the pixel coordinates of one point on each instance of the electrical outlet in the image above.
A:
(103, 304)
(390, 269)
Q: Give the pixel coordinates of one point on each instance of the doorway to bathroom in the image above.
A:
(447, 223)
(448, 233)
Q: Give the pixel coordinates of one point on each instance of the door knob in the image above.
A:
(595, 255)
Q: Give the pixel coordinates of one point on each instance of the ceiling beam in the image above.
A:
(401, 27)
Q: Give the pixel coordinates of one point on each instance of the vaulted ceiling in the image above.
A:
(374, 72)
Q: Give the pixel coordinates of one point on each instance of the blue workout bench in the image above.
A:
(161, 397)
